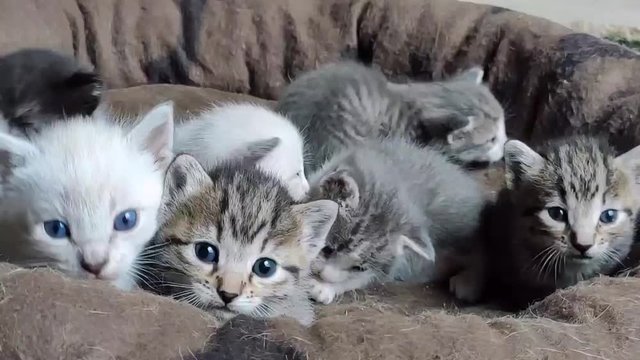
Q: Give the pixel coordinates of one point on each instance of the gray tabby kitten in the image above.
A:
(567, 214)
(345, 102)
(234, 242)
(401, 208)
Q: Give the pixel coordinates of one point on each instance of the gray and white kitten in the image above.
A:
(40, 86)
(233, 241)
(401, 208)
(344, 102)
(567, 214)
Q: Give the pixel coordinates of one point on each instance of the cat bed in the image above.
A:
(551, 81)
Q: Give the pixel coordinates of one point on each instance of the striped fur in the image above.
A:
(582, 176)
(343, 103)
(399, 204)
(247, 215)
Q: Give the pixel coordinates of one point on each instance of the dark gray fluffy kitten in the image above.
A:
(345, 102)
(401, 207)
(40, 86)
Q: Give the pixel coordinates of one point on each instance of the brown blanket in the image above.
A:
(45, 316)
(551, 81)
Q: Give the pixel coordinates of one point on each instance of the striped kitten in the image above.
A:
(345, 102)
(401, 208)
(233, 241)
(567, 214)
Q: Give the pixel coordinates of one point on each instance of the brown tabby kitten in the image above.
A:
(567, 214)
(233, 241)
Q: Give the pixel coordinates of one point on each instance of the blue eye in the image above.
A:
(265, 267)
(57, 229)
(557, 213)
(609, 216)
(126, 220)
(206, 252)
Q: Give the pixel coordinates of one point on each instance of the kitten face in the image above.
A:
(40, 86)
(473, 119)
(87, 193)
(369, 236)
(576, 205)
(236, 243)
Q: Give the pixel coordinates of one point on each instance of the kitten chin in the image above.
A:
(233, 241)
(567, 214)
(404, 212)
(343, 103)
(82, 195)
(244, 132)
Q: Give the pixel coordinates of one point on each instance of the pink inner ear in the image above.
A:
(157, 143)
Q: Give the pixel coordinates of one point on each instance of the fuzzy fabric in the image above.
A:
(551, 80)
(45, 316)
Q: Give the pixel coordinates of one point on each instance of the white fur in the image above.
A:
(85, 171)
(224, 132)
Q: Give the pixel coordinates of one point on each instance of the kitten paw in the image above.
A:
(465, 287)
(323, 292)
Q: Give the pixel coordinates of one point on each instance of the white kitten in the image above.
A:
(83, 195)
(240, 130)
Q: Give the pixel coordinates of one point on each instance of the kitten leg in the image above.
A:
(468, 284)
(326, 292)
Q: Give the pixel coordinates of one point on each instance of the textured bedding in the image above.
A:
(197, 52)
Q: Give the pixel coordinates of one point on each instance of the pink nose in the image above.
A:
(93, 268)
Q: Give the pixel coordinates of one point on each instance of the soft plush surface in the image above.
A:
(46, 316)
(551, 81)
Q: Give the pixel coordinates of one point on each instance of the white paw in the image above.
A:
(323, 292)
(465, 287)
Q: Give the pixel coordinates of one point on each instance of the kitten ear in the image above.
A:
(83, 78)
(340, 187)
(13, 150)
(520, 162)
(426, 251)
(460, 127)
(629, 162)
(185, 176)
(317, 219)
(255, 151)
(154, 133)
(474, 75)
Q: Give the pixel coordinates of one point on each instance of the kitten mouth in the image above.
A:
(580, 258)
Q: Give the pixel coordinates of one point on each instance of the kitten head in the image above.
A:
(576, 202)
(87, 193)
(40, 85)
(371, 229)
(462, 113)
(234, 241)
(275, 140)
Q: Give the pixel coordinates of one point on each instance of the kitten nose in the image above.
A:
(226, 297)
(93, 268)
(327, 251)
(582, 248)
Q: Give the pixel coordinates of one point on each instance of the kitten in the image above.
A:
(39, 86)
(345, 102)
(567, 214)
(83, 195)
(241, 130)
(401, 208)
(233, 241)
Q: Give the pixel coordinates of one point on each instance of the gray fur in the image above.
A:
(397, 201)
(582, 176)
(346, 102)
(247, 214)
